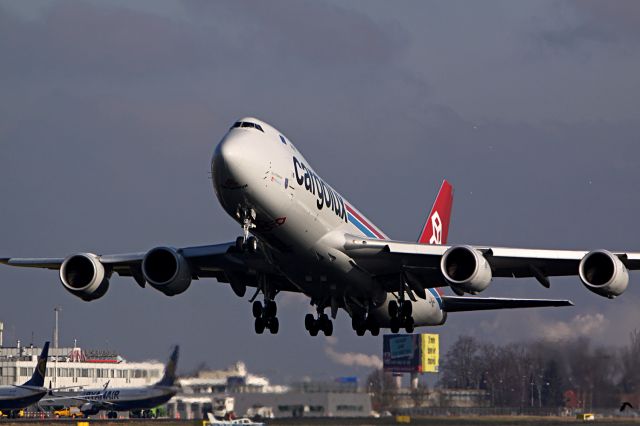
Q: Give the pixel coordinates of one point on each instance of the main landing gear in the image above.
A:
(400, 311)
(322, 323)
(265, 316)
(265, 313)
(361, 323)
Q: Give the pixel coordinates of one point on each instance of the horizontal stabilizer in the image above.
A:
(462, 304)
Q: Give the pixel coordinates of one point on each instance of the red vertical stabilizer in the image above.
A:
(436, 227)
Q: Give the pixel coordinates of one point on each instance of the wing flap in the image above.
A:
(464, 304)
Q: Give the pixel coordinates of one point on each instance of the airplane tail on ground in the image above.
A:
(37, 379)
(169, 376)
(436, 227)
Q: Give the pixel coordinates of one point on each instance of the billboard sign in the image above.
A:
(401, 352)
(430, 353)
(410, 353)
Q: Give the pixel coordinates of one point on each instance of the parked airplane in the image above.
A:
(17, 397)
(113, 400)
(301, 235)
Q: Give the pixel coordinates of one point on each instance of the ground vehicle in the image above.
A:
(71, 412)
(12, 414)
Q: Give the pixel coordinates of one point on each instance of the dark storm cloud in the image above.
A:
(109, 115)
(593, 21)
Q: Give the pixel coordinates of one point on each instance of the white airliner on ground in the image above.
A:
(112, 400)
(17, 397)
(305, 237)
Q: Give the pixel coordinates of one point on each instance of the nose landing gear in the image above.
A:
(245, 243)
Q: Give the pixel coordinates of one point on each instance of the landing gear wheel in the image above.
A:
(270, 309)
(406, 309)
(361, 330)
(313, 330)
(274, 325)
(327, 328)
(257, 309)
(259, 325)
(240, 243)
(408, 325)
(374, 329)
(252, 245)
(394, 325)
(308, 321)
(393, 309)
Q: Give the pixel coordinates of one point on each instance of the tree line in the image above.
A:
(542, 373)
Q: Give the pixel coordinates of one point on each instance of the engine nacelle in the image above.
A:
(603, 273)
(84, 276)
(89, 409)
(166, 270)
(465, 269)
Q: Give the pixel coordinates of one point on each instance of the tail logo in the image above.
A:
(436, 229)
(42, 366)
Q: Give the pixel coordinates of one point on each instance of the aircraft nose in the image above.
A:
(234, 158)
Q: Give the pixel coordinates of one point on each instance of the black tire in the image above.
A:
(327, 327)
(360, 331)
(374, 329)
(406, 309)
(393, 309)
(308, 321)
(270, 309)
(358, 322)
(259, 325)
(274, 325)
(409, 325)
(257, 309)
(240, 244)
(252, 244)
(394, 325)
(313, 331)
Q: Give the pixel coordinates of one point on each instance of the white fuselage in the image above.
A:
(301, 219)
(118, 399)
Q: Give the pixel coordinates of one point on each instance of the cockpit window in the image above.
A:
(247, 124)
(284, 141)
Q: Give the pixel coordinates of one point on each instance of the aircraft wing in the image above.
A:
(221, 261)
(386, 257)
(463, 304)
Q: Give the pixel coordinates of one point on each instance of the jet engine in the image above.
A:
(166, 270)
(465, 269)
(603, 273)
(89, 409)
(84, 276)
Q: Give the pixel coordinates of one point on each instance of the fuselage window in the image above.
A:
(284, 141)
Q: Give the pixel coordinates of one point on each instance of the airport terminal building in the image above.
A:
(248, 394)
(69, 367)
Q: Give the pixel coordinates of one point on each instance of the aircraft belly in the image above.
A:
(21, 401)
(426, 312)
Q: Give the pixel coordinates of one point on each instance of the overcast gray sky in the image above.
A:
(109, 113)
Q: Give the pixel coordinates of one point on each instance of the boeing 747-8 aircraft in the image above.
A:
(300, 235)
